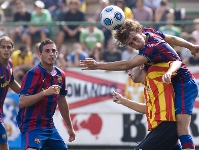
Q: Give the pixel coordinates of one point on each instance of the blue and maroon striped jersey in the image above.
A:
(40, 115)
(6, 76)
(156, 50)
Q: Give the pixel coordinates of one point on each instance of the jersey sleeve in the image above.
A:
(154, 32)
(11, 70)
(29, 83)
(63, 90)
(12, 77)
(160, 33)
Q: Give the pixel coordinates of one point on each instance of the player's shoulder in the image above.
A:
(35, 71)
(145, 29)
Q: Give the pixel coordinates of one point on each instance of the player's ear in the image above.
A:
(139, 31)
(13, 49)
(142, 67)
(39, 54)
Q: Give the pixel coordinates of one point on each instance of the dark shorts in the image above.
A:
(185, 96)
(67, 36)
(163, 137)
(43, 139)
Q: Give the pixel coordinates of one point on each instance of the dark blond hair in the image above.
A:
(6, 39)
(122, 34)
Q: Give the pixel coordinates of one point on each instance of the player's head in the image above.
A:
(6, 47)
(48, 52)
(138, 74)
(130, 33)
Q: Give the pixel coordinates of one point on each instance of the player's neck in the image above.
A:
(143, 77)
(4, 62)
(47, 67)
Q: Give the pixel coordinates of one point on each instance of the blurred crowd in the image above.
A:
(91, 40)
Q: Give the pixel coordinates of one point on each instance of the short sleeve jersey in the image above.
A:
(44, 18)
(40, 115)
(6, 76)
(158, 51)
(159, 96)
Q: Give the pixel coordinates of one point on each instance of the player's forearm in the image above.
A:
(64, 110)
(139, 107)
(174, 40)
(15, 86)
(174, 66)
(123, 65)
(26, 101)
(113, 66)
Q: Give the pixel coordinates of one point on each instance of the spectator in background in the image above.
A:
(61, 62)
(127, 11)
(141, 12)
(111, 54)
(21, 15)
(2, 20)
(186, 56)
(153, 4)
(195, 33)
(63, 8)
(70, 31)
(22, 62)
(90, 36)
(129, 53)
(161, 13)
(130, 3)
(51, 6)
(192, 61)
(97, 52)
(83, 5)
(77, 55)
(169, 28)
(107, 33)
(22, 58)
(35, 56)
(41, 18)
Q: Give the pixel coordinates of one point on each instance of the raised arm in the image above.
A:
(174, 40)
(91, 64)
(139, 107)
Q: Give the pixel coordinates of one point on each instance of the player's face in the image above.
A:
(49, 54)
(6, 50)
(135, 74)
(136, 40)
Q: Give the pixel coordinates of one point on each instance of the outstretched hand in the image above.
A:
(194, 50)
(117, 97)
(88, 64)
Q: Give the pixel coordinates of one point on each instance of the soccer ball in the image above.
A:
(112, 17)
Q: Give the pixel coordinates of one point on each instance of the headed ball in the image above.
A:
(112, 17)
